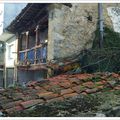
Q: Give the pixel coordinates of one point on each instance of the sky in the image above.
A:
(1, 17)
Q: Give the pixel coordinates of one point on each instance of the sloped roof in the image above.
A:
(54, 89)
(30, 15)
(6, 36)
(25, 18)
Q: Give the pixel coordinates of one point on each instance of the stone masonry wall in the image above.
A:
(71, 30)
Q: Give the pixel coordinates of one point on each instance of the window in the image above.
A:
(11, 51)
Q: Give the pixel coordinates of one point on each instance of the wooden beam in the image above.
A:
(38, 46)
(41, 66)
(25, 13)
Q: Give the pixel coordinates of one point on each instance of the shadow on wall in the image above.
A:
(26, 76)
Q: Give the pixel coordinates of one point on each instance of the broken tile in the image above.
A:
(74, 81)
(117, 87)
(84, 76)
(11, 104)
(55, 99)
(65, 85)
(89, 91)
(104, 81)
(14, 109)
(31, 103)
(115, 75)
(29, 97)
(100, 87)
(47, 96)
(99, 83)
(66, 91)
(88, 84)
(46, 87)
(70, 95)
(78, 88)
(84, 93)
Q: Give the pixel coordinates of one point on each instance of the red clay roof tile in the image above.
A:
(89, 91)
(99, 83)
(53, 89)
(47, 95)
(100, 87)
(66, 91)
(31, 103)
(84, 93)
(14, 109)
(75, 81)
(84, 76)
(115, 75)
(78, 88)
(70, 95)
(88, 84)
(117, 87)
(65, 85)
(55, 99)
(11, 104)
(46, 87)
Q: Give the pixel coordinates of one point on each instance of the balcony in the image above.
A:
(34, 58)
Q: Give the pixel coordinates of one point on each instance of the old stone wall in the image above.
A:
(71, 30)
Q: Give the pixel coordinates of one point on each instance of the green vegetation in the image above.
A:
(106, 58)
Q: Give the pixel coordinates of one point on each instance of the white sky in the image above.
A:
(1, 17)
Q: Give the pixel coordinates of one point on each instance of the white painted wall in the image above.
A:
(1, 17)
(11, 52)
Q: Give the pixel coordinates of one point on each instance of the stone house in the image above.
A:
(48, 32)
(44, 31)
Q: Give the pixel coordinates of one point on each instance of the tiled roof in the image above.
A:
(56, 89)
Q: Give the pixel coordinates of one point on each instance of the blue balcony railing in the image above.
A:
(34, 55)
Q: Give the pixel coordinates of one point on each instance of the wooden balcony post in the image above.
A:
(27, 39)
(36, 43)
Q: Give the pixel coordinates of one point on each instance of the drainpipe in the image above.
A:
(5, 71)
(100, 15)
